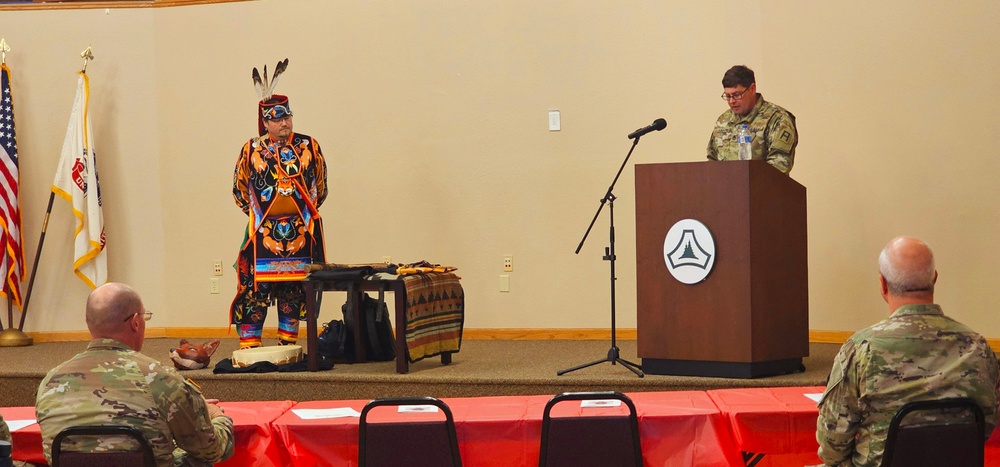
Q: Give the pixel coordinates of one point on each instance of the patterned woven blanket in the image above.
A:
(435, 314)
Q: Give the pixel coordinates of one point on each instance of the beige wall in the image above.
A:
(432, 115)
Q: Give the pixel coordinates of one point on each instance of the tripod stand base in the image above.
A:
(613, 358)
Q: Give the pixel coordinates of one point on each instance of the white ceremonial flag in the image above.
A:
(76, 181)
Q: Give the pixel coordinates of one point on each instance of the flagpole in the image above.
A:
(16, 337)
(10, 306)
(11, 337)
(38, 254)
(87, 55)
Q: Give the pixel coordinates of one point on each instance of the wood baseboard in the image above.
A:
(835, 337)
(526, 334)
(537, 334)
(272, 333)
(839, 337)
(829, 337)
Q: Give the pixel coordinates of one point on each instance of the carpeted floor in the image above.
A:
(482, 368)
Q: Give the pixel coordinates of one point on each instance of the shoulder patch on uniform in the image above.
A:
(785, 136)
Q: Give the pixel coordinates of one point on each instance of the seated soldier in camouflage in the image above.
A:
(772, 128)
(4, 430)
(917, 353)
(111, 383)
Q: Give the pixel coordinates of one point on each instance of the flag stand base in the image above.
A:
(14, 338)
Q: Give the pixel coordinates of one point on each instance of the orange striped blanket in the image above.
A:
(435, 314)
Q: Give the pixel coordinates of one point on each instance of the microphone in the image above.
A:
(657, 125)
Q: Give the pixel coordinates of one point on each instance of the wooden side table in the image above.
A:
(314, 288)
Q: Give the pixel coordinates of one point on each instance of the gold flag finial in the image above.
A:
(87, 56)
(4, 48)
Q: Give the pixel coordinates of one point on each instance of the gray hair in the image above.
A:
(907, 281)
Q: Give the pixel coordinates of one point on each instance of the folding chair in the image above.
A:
(590, 440)
(411, 444)
(941, 436)
(143, 457)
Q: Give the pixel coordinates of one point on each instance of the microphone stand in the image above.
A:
(609, 255)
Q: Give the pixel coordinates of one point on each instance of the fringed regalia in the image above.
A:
(280, 186)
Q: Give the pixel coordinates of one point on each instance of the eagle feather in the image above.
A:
(258, 84)
(278, 70)
(267, 87)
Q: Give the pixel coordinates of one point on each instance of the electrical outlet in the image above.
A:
(213, 285)
(508, 263)
(217, 267)
(386, 259)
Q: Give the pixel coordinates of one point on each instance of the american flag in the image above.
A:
(11, 252)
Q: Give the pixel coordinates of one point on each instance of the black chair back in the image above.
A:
(949, 432)
(597, 440)
(410, 444)
(143, 457)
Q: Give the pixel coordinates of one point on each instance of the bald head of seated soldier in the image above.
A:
(115, 311)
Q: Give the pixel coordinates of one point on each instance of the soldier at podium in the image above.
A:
(771, 127)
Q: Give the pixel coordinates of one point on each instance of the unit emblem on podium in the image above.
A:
(689, 251)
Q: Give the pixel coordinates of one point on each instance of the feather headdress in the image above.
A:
(271, 106)
(264, 88)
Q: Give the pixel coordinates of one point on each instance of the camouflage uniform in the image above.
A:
(110, 384)
(4, 430)
(773, 131)
(917, 353)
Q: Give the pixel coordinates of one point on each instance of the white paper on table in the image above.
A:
(815, 396)
(15, 425)
(600, 403)
(315, 414)
(418, 408)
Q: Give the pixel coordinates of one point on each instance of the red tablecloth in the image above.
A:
(27, 442)
(251, 427)
(777, 422)
(781, 424)
(682, 428)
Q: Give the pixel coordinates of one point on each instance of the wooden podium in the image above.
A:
(749, 317)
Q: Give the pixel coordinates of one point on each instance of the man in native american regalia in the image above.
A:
(280, 183)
